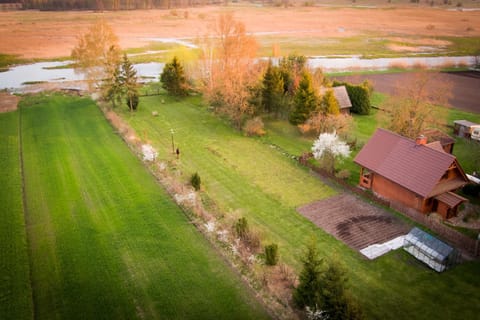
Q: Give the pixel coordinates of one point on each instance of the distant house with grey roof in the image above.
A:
(342, 97)
(416, 174)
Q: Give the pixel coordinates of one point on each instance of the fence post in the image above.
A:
(476, 244)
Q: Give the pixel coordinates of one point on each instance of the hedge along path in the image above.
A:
(15, 289)
(105, 239)
(394, 286)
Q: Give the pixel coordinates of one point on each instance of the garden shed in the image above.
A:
(436, 254)
(463, 128)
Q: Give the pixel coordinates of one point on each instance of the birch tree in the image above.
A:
(97, 53)
(229, 70)
(414, 105)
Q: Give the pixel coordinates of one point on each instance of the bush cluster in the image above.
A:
(271, 254)
(359, 96)
(195, 181)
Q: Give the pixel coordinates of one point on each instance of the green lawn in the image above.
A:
(246, 176)
(106, 242)
(15, 291)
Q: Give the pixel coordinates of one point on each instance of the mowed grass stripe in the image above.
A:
(106, 241)
(15, 290)
(395, 286)
(242, 174)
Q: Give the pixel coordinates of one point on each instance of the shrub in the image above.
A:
(254, 127)
(343, 174)
(271, 254)
(195, 181)
(133, 100)
(471, 190)
(241, 228)
(359, 96)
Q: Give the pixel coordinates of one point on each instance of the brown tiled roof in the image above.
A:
(415, 167)
(435, 145)
(437, 135)
(448, 185)
(450, 198)
(341, 95)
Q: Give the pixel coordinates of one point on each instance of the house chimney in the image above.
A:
(421, 139)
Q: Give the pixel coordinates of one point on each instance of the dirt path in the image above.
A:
(354, 221)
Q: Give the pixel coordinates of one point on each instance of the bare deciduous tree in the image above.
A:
(228, 67)
(413, 107)
(97, 53)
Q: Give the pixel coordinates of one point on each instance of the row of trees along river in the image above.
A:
(109, 4)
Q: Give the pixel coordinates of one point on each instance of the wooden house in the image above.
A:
(418, 175)
(342, 97)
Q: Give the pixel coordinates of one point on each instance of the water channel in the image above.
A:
(19, 77)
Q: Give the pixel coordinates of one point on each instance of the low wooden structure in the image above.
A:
(445, 140)
(418, 175)
(463, 128)
(342, 97)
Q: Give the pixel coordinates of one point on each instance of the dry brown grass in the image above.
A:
(8, 102)
(33, 34)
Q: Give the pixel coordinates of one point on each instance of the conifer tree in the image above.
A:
(273, 90)
(305, 101)
(307, 293)
(113, 87)
(173, 78)
(337, 301)
(129, 82)
(329, 103)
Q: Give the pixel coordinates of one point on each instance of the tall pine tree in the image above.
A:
(173, 78)
(129, 82)
(273, 90)
(305, 101)
(307, 293)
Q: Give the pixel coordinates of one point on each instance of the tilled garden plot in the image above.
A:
(354, 221)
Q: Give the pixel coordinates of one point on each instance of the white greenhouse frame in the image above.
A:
(436, 254)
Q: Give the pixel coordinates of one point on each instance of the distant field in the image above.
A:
(384, 29)
(106, 242)
(248, 177)
(15, 290)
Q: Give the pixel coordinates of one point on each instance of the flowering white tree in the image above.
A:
(149, 153)
(328, 147)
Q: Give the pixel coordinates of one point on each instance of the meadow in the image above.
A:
(250, 177)
(370, 28)
(105, 241)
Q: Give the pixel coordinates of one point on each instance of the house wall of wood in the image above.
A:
(393, 191)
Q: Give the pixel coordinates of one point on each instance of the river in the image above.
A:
(17, 78)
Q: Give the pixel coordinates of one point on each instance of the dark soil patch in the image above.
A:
(465, 86)
(354, 221)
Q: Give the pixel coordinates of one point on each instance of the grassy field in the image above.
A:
(369, 46)
(15, 291)
(106, 242)
(248, 177)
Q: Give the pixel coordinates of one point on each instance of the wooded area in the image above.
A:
(109, 4)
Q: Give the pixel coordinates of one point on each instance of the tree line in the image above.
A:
(112, 4)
